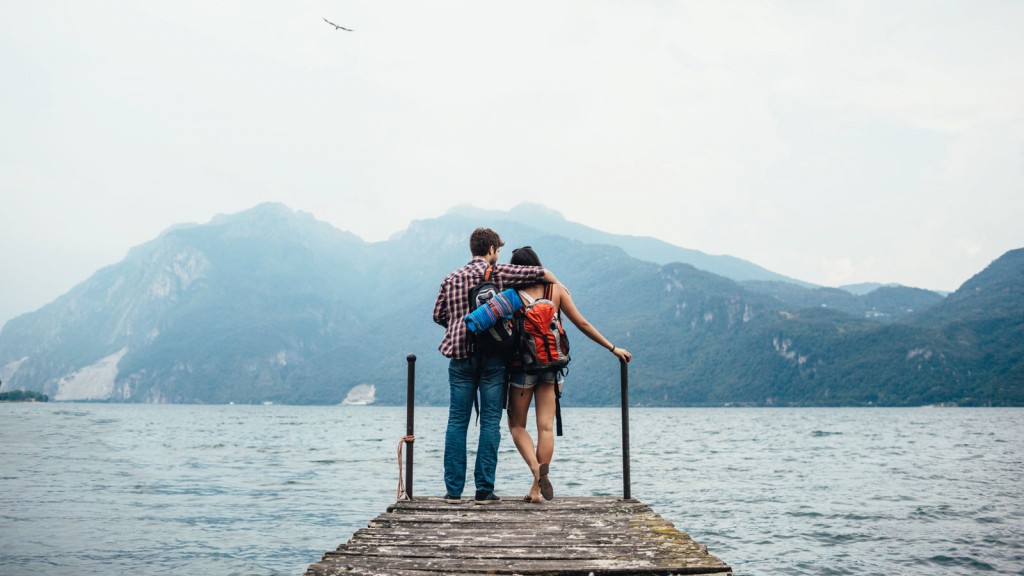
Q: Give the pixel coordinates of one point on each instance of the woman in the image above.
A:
(541, 387)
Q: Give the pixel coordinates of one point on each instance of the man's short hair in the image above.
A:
(481, 240)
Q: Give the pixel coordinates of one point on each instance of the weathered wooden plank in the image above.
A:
(472, 543)
(519, 507)
(576, 502)
(562, 537)
(517, 516)
(520, 514)
(322, 570)
(540, 535)
(455, 550)
(560, 501)
(348, 564)
(502, 540)
(434, 503)
(600, 547)
(428, 522)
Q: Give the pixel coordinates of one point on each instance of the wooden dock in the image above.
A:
(566, 536)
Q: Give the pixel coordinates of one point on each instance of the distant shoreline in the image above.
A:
(23, 396)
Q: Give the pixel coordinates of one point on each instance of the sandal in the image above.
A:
(546, 489)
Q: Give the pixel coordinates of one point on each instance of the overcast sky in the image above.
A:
(835, 142)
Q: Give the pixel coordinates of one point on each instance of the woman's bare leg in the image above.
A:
(519, 409)
(545, 408)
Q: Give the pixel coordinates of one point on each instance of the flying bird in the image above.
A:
(336, 27)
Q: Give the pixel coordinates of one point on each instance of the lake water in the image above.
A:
(204, 490)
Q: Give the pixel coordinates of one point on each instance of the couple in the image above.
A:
(467, 372)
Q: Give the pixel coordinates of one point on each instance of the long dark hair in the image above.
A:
(525, 256)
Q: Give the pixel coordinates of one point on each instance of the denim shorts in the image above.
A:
(524, 380)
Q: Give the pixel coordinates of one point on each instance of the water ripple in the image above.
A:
(94, 488)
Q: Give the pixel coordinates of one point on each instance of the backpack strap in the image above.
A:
(527, 299)
(548, 293)
(558, 409)
(470, 339)
(478, 360)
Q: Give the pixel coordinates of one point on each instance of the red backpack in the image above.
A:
(543, 345)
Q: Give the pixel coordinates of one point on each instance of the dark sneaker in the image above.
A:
(452, 499)
(485, 497)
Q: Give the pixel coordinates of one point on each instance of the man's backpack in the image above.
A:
(500, 338)
(543, 345)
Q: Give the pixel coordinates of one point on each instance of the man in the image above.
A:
(467, 370)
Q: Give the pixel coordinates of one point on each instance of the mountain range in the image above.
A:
(272, 305)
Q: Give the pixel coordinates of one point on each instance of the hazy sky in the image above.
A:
(835, 142)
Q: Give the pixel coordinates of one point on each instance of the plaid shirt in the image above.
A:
(453, 298)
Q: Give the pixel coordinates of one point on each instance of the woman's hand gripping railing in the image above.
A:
(624, 377)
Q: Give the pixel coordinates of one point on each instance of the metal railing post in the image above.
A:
(410, 403)
(624, 374)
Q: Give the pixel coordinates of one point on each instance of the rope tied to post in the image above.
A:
(400, 493)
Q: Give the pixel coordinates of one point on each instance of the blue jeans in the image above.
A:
(461, 379)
